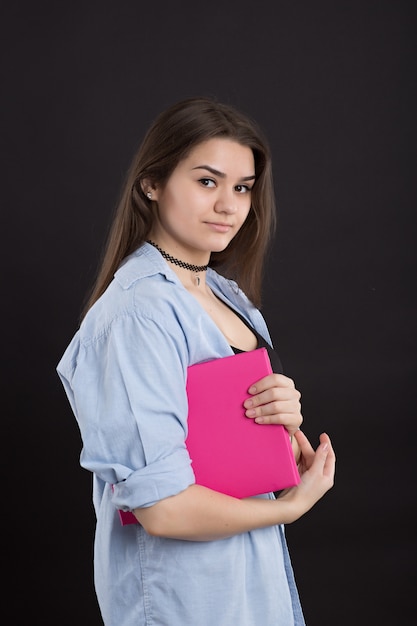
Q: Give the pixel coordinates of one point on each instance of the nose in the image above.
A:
(226, 202)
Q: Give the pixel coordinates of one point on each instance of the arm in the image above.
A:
(200, 514)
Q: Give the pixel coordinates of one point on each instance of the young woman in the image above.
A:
(199, 196)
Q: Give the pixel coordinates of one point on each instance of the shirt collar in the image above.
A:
(147, 261)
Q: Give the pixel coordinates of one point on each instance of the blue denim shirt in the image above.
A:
(124, 373)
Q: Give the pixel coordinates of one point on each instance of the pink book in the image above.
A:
(231, 453)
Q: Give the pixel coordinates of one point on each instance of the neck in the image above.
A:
(183, 268)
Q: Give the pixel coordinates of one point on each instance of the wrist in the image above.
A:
(289, 510)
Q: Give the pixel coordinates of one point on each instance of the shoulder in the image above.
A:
(143, 319)
(144, 287)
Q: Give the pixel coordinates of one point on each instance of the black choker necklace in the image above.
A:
(171, 259)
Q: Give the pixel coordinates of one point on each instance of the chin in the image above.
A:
(219, 248)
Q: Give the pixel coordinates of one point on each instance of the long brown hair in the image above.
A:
(171, 137)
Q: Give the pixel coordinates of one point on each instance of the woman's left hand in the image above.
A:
(275, 400)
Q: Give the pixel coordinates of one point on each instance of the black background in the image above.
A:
(333, 86)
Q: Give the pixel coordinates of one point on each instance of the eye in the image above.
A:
(243, 188)
(207, 182)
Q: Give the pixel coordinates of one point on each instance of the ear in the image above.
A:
(149, 188)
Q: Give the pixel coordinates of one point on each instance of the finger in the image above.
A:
(291, 421)
(273, 395)
(285, 412)
(272, 380)
(323, 464)
(276, 408)
(324, 438)
(329, 466)
(305, 446)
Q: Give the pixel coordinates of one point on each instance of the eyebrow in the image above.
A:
(220, 174)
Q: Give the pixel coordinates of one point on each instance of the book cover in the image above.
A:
(231, 453)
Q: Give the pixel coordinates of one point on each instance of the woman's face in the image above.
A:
(205, 201)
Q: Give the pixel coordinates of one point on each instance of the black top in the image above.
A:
(262, 343)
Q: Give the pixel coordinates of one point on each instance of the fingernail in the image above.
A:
(326, 445)
(250, 412)
(252, 389)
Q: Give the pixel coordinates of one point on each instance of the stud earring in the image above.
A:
(149, 195)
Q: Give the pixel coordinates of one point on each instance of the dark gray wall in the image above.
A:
(333, 86)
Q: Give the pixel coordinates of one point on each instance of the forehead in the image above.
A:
(225, 155)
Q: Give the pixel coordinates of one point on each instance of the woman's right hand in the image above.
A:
(317, 469)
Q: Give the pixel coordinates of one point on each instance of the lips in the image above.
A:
(220, 227)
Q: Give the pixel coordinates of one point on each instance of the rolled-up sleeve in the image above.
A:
(127, 390)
